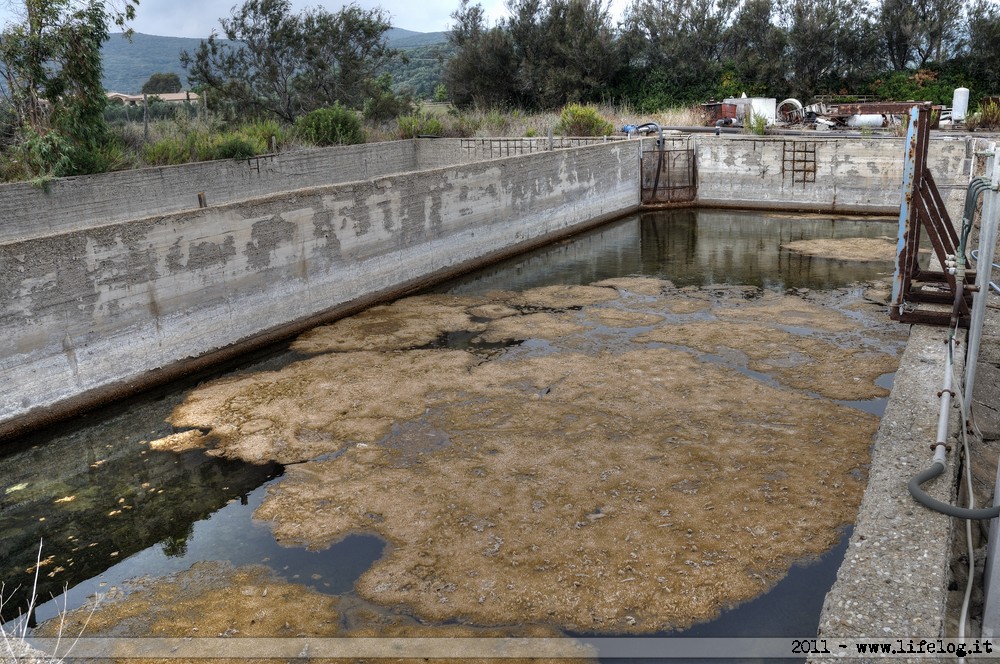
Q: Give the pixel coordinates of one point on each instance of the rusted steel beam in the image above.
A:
(875, 108)
(922, 209)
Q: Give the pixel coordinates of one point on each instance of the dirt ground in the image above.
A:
(622, 457)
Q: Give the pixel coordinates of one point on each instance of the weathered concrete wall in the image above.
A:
(91, 309)
(77, 203)
(436, 153)
(857, 175)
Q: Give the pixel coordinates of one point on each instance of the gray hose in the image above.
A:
(939, 506)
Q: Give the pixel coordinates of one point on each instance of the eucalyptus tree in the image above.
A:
(482, 69)
(544, 54)
(982, 34)
(755, 51)
(681, 42)
(275, 62)
(832, 46)
(915, 33)
(50, 63)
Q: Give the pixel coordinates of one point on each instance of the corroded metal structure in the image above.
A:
(922, 214)
(668, 176)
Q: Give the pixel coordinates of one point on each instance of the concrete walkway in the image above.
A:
(902, 558)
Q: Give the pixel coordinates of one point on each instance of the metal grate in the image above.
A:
(495, 148)
(798, 161)
(668, 176)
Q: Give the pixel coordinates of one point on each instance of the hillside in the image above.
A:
(127, 65)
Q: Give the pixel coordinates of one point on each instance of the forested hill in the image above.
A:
(127, 65)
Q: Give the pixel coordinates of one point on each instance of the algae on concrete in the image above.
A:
(624, 469)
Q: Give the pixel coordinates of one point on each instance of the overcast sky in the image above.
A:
(197, 18)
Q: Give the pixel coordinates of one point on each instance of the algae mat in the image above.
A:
(620, 457)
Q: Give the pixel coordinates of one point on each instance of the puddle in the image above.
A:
(528, 444)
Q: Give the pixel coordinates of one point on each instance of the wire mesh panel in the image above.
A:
(798, 161)
(668, 176)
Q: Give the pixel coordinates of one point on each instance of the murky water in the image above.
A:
(108, 508)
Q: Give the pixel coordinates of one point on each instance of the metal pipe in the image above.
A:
(987, 245)
(775, 131)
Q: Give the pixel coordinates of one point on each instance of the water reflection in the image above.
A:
(690, 248)
(99, 495)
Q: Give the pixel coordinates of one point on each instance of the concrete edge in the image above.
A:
(894, 580)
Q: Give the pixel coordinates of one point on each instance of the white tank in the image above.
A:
(869, 121)
(960, 104)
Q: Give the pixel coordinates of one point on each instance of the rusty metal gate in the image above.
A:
(668, 176)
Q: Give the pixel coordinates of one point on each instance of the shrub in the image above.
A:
(411, 126)
(386, 105)
(464, 125)
(755, 124)
(334, 125)
(260, 132)
(496, 120)
(166, 152)
(577, 120)
(234, 147)
(989, 116)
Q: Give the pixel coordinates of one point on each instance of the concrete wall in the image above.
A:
(105, 279)
(92, 311)
(77, 203)
(858, 175)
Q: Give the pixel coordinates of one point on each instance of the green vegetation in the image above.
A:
(335, 125)
(276, 78)
(987, 118)
(279, 64)
(668, 53)
(577, 120)
(756, 125)
(165, 82)
(420, 124)
(50, 63)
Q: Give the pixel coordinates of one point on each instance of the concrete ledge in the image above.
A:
(893, 582)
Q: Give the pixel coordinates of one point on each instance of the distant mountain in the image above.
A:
(127, 65)
(407, 39)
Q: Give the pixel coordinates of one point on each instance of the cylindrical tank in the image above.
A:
(868, 121)
(960, 104)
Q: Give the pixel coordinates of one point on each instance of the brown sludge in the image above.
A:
(847, 249)
(212, 600)
(628, 489)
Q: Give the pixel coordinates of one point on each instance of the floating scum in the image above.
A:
(613, 468)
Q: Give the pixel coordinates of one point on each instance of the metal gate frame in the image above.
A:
(672, 182)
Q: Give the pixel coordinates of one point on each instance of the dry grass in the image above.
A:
(14, 646)
(480, 123)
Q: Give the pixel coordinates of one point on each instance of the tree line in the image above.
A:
(272, 63)
(673, 52)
